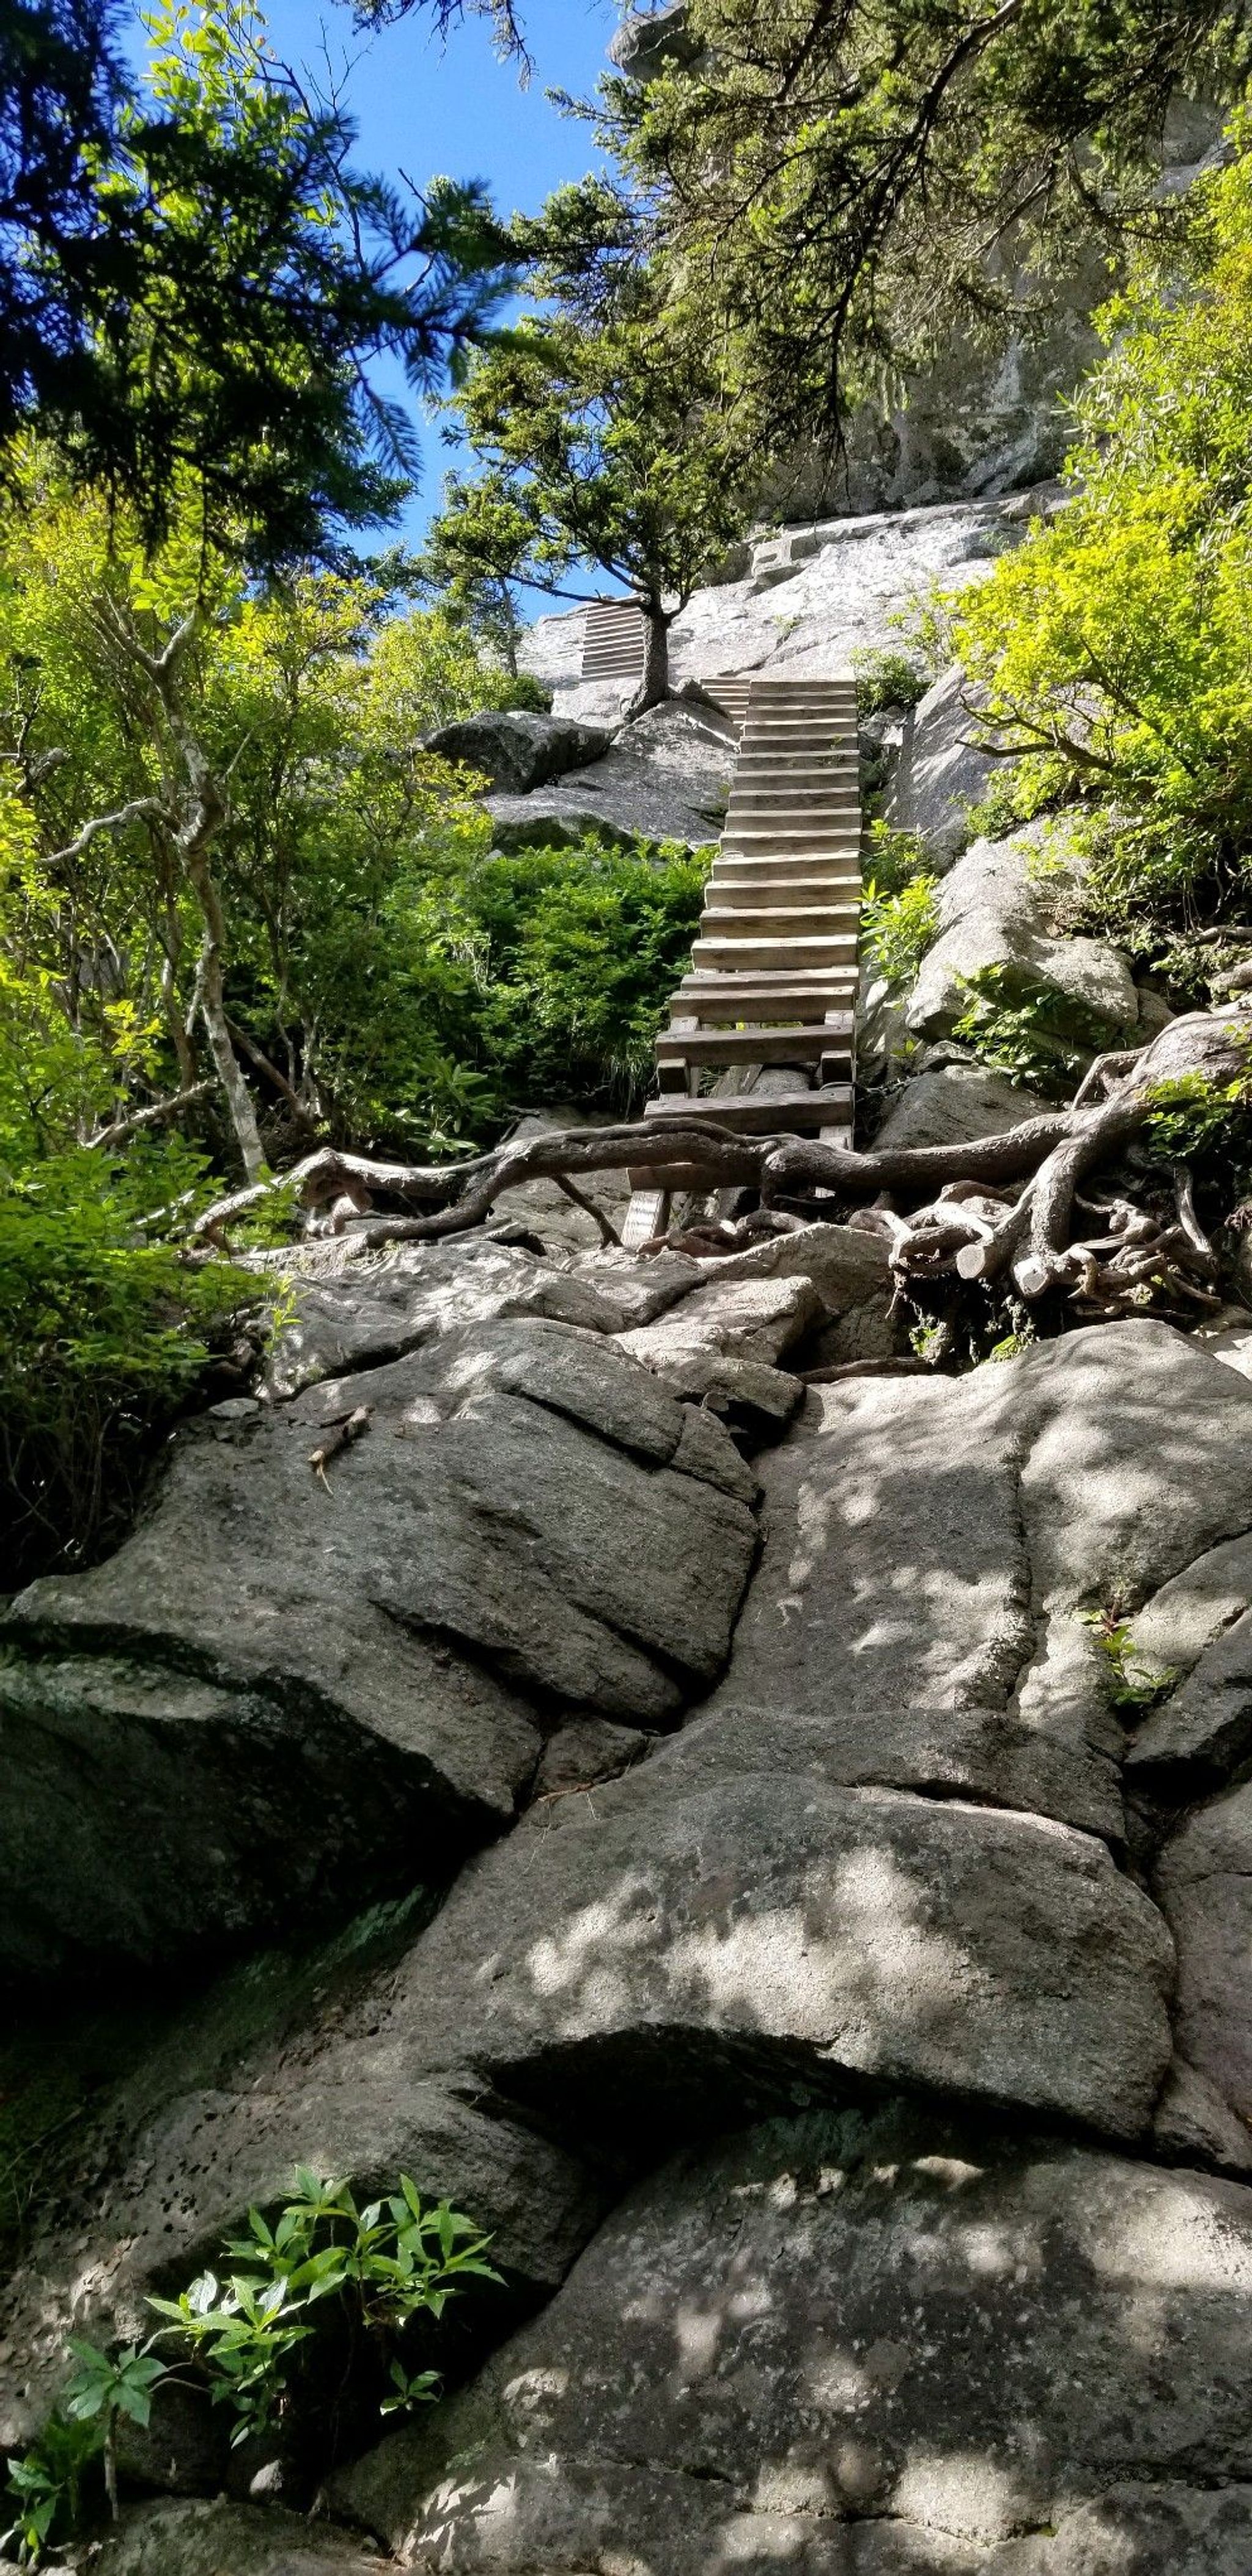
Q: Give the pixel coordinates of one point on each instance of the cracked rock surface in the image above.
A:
(869, 2318)
(828, 1982)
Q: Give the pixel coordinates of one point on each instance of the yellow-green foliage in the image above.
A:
(1116, 645)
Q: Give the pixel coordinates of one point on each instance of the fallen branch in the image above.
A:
(155, 1115)
(341, 1436)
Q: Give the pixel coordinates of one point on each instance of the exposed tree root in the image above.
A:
(964, 1221)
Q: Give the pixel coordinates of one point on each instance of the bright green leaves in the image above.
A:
(1116, 646)
(382, 2266)
(327, 2278)
(118, 2384)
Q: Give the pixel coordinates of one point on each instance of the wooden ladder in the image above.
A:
(613, 640)
(772, 985)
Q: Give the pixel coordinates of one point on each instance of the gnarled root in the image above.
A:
(969, 1222)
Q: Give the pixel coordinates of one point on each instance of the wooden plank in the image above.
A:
(734, 998)
(759, 1046)
(647, 1213)
(760, 1117)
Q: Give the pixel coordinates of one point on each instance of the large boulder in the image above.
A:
(649, 40)
(944, 765)
(195, 2538)
(948, 1103)
(853, 2345)
(999, 908)
(666, 778)
(933, 1548)
(515, 750)
(686, 1943)
(315, 1671)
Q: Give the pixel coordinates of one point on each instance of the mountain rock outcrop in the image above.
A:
(844, 2039)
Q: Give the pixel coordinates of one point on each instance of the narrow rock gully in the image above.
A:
(686, 1809)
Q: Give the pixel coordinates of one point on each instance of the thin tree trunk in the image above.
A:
(213, 1007)
(654, 687)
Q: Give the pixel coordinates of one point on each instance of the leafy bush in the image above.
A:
(897, 929)
(102, 1328)
(1116, 645)
(327, 2282)
(887, 679)
(897, 858)
(1032, 1031)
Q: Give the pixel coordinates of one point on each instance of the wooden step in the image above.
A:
(750, 1116)
(736, 956)
(761, 1046)
(725, 1001)
(777, 921)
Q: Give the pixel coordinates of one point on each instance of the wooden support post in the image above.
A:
(647, 1214)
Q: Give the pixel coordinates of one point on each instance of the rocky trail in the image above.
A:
(763, 1824)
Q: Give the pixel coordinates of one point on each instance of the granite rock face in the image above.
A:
(297, 1683)
(941, 769)
(998, 909)
(780, 1778)
(936, 2333)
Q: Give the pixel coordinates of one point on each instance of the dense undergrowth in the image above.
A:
(386, 979)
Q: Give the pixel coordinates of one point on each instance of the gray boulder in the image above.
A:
(515, 750)
(1204, 1883)
(931, 1547)
(194, 2538)
(943, 766)
(296, 1685)
(999, 908)
(650, 39)
(852, 2344)
(666, 778)
(681, 1943)
(952, 1103)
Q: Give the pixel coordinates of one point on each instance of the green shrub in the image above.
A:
(897, 929)
(897, 859)
(102, 1336)
(1115, 646)
(887, 679)
(323, 2297)
(1031, 1031)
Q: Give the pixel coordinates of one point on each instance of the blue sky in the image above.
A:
(454, 109)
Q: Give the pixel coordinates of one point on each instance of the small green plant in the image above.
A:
(1133, 1682)
(897, 858)
(897, 929)
(382, 2265)
(107, 2387)
(887, 679)
(326, 2272)
(44, 2488)
(1032, 1031)
(1192, 1117)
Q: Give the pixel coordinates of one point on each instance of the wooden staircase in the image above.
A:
(613, 640)
(772, 985)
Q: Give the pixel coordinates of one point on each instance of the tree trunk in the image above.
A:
(213, 1006)
(653, 689)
